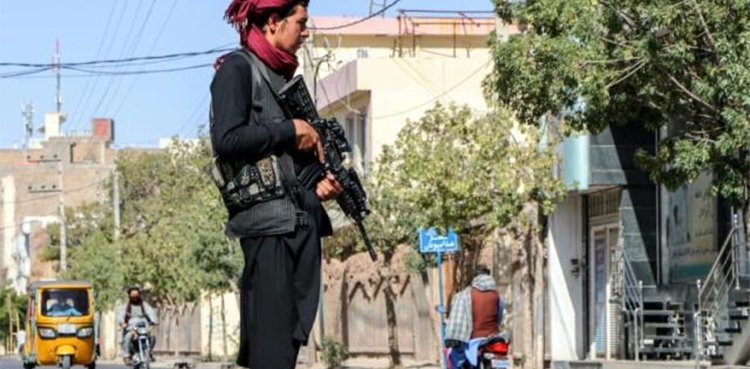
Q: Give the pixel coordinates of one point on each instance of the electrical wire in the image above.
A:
(122, 60)
(150, 51)
(88, 72)
(116, 93)
(345, 25)
(25, 73)
(435, 98)
(86, 90)
(194, 115)
(74, 190)
(115, 82)
(136, 72)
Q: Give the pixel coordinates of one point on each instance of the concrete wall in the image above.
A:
(220, 326)
(401, 89)
(565, 293)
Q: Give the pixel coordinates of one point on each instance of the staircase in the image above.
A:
(665, 332)
(723, 334)
(735, 342)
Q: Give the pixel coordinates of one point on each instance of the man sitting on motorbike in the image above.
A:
(476, 314)
(135, 310)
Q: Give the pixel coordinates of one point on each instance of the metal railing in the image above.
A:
(713, 294)
(632, 305)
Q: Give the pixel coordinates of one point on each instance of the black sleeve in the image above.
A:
(231, 134)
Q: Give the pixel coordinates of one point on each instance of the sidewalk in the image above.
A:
(195, 363)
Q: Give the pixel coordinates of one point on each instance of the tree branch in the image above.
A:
(616, 43)
(633, 69)
(619, 12)
(703, 21)
(700, 138)
(611, 61)
(690, 93)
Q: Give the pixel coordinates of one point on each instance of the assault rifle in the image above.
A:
(296, 99)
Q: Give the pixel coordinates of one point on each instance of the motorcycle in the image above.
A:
(493, 354)
(140, 348)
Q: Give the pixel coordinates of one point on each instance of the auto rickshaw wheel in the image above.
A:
(28, 366)
(65, 363)
(91, 366)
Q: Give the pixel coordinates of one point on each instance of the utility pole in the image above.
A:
(63, 233)
(116, 203)
(56, 69)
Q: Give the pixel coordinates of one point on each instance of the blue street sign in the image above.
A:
(431, 242)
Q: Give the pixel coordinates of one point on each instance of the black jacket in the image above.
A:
(250, 125)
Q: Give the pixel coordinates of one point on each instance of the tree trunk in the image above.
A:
(210, 328)
(539, 289)
(527, 288)
(224, 328)
(176, 337)
(235, 288)
(390, 312)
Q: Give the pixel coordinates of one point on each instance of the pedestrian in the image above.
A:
(259, 151)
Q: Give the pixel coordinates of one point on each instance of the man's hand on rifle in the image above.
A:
(308, 138)
(328, 188)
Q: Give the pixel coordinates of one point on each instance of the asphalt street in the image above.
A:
(13, 362)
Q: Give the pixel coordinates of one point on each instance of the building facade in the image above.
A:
(375, 76)
(632, 266)
(36, 182)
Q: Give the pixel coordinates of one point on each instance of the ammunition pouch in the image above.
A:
(243, 185)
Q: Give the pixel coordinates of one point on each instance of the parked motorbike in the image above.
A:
(140, 348)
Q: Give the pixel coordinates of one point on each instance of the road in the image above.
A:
(12, 362)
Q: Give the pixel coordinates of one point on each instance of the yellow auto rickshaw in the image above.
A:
(61, 325)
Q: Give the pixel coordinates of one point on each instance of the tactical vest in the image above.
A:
(260, 196)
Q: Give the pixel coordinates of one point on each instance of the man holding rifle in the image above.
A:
(259, 151)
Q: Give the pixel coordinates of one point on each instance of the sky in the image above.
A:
(145, 107)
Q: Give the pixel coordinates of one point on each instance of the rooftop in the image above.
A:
(412, 22)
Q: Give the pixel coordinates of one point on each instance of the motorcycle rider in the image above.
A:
(476, 314)
(136, 309)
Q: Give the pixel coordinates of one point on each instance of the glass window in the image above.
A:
(65, 302)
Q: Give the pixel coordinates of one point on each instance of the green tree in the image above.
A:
(475, 174)
(172, 231)
(679, 66)
(12, 313)
(452, 169)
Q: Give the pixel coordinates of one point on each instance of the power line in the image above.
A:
(435, 98)
(123, 60)
(86, 90)
(123, 52)
(345, 25)
(77, 189)
(26, 73)
(139, 72)
(192, 117)
(90, 73)
(132, 52)
(150, 51)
